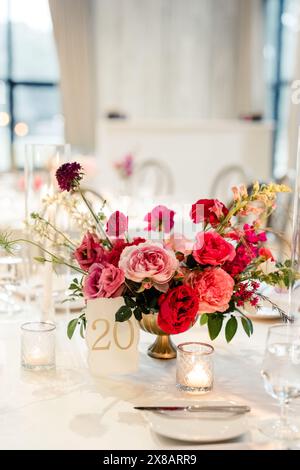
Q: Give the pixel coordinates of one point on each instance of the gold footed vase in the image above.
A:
(163, 347)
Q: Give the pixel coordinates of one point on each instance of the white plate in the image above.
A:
(72, 306)
(263, 314)
(201, 428)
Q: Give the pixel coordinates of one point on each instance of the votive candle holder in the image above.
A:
(38, 345)
(194, 371)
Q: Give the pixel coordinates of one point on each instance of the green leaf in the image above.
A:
(138, 313)
(230, 329)
(248, 326)
(72, 327)
(214, 324)
(82, 329)
(203, 319)
(73, 286)
(123, 314)
(129, 302)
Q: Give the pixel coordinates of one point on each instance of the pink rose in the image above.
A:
(103, 281)
(160, 219)
(215, 289)
(89, 252)
(148, 261)
(211, 248)
(117, 224)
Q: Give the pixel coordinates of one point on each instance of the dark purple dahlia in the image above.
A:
(69, 175)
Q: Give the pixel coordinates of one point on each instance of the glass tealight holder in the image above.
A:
(195, 373)
(38, 346)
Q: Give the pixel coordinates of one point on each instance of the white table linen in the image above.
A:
(69, 409)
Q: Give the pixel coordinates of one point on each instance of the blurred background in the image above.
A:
(159, 97)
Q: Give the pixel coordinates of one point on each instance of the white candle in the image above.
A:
(37, 358)
(198, 377)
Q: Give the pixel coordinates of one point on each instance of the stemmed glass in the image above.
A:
(281, 374)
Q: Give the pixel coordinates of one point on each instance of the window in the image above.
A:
(30, 108)
(281, 30)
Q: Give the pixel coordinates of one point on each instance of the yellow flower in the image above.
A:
(255, 187)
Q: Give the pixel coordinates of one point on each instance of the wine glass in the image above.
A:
(10, 275)
(281, 374)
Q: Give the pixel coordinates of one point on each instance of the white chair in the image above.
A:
(230, 176)
(152, 178)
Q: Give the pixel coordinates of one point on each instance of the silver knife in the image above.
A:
(198, 408)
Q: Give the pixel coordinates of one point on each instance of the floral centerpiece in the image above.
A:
(215, 276)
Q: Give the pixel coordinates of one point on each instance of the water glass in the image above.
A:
(281, 374)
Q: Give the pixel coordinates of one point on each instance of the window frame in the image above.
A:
(11, 84)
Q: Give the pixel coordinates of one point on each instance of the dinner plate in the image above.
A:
(198, 427)
(72, 306)
(263, 314)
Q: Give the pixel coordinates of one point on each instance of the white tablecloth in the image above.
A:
(69, 409)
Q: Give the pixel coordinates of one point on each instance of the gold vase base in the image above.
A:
(162, 348)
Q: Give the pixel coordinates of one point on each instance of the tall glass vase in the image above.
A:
(41, 163)
(294, 291)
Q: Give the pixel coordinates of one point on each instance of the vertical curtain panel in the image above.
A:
(72, 25)
(294, 109)
(250, 66)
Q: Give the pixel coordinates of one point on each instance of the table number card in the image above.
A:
(113, 346)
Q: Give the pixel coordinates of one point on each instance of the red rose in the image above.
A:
(178, 309)
(89, 252)
(113, 256)
(210, 248)
(210, 211)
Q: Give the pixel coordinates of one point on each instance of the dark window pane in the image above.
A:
(38, 117)
(33, 47)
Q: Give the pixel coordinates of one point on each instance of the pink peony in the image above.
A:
(214, 287)
(117, 224)
(103, 281)
(89, 252)
(211, 248)
(160, 219)
(148, 261)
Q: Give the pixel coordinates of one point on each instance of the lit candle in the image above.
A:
(194, 371)
(198, 377)
(38, 345)
(36, 357)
